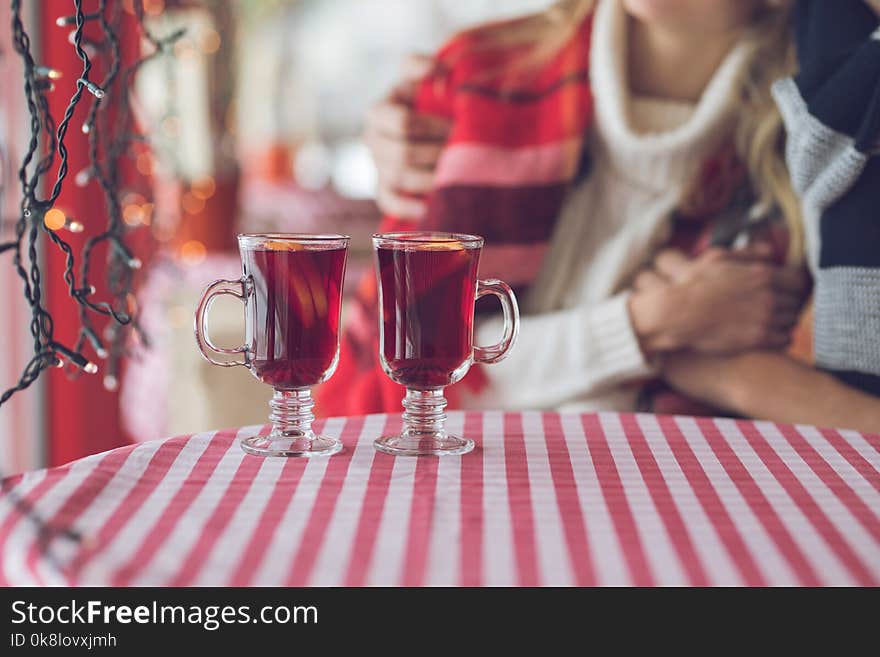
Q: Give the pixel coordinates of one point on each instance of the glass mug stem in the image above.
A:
(424, 412)
(291, 435)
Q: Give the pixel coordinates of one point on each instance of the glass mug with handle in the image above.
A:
(291, 288)
(427, 289)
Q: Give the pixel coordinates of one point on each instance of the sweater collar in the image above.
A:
(657, 159)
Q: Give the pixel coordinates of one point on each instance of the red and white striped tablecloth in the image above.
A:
(545, 499)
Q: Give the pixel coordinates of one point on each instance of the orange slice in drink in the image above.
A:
(451, 245)
(280, 245)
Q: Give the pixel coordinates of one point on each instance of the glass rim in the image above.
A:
(427, 237)
(328, 240)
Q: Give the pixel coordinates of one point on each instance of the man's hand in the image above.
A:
(405, 145)
(720, 302)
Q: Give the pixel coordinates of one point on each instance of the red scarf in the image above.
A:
(512, 153)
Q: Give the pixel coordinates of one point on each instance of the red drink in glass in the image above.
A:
(291, 289)
(427, 289)
(427, 312)
(294, 326)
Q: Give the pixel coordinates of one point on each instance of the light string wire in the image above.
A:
(105, 166)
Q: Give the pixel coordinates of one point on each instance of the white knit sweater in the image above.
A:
(577, 349)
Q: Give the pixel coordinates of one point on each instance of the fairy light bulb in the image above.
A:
(54, 219)
(47, 72)
(94, 89)
(64, 21)
(203, 188)
(111, 383)
(90, 368)
(192, 252)
(83, 177)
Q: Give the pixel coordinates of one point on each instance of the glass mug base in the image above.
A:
(437, 444)
(291, 434)
(305, 446)
(424, 428)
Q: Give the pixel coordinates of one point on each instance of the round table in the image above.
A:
(545, 499)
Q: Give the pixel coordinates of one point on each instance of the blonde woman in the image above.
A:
(624, 160)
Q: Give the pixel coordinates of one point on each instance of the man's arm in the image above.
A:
(772, 386)
(831, 109)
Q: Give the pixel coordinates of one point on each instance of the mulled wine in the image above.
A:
(294, 326)
(427, 312)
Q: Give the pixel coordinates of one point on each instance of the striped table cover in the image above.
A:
(545, 499)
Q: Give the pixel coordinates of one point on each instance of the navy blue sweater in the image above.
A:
(831, 110)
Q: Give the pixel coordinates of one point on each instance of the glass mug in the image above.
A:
(427, 289)
(291, 288)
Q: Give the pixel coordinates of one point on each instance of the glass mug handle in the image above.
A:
(510, 309)
(203, 339)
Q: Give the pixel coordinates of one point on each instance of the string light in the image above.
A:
(92, 337)
(192, 252)
(55, 219)
(203, 188)
(47, 72)
(191, 203)
(147, 213)
(76, 359)
(132, 214)
(144, 163)
(127, 257)
(64, 21)
(44, 170)
(94, 89)
(83, 177)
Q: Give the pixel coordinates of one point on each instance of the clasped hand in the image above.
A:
(720, 302)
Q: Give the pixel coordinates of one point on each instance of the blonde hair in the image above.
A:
(759, 135)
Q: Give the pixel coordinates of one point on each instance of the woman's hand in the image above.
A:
(720, 302)
(405, 145)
